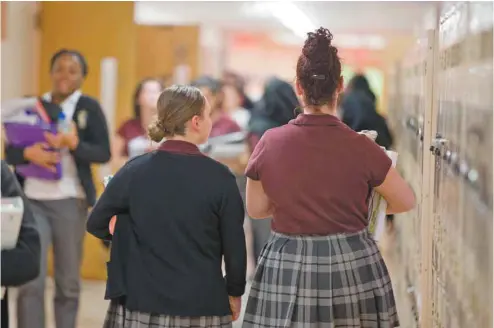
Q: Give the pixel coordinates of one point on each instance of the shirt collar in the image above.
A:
(72, 99)
(316, 119)
(180, 147)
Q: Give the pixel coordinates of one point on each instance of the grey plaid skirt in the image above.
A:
(321, 281)
(120, 317)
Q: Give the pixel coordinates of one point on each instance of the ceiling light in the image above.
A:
(288, 14)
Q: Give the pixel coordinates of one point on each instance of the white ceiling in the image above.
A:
(339, 17)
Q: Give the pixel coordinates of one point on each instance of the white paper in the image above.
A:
(12, 210)
(380, 219)
(377, 203)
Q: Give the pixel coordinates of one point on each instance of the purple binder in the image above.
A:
(24, 135)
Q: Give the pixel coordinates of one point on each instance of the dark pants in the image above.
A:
(5, 310)
(61, 223)
(261, 231)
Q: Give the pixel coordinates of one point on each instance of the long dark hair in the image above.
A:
(359, 83)
(137, 94)
(278, 102)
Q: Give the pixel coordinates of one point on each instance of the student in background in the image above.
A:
(212, 89)
(186, 214)
(131, 138)
(359, 111)
(233, 105)
(22, 263)
(232, 78)
(60, 206)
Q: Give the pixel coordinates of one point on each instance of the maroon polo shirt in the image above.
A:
(318, 173)
(129, 130)
(224, 125)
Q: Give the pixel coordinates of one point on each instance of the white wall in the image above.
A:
(19, 51)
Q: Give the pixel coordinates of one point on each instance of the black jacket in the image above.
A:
(359, 113)
(22, 263)
(94, 144)
(179, 212)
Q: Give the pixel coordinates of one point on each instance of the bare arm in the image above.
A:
(397, 192)
(258, 204)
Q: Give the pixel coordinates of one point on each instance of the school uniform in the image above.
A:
(20, 264)
(320, 266)
(183, 212)
(60, 208)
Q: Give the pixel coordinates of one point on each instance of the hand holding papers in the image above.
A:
(377, 203)
(12, 210)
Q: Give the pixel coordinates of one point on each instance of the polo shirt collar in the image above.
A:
(180, 147)
(316, 119)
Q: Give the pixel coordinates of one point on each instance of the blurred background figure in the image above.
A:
(60, 206)
(232, 78)
(359, 112)
(276, 108)
(22, 263)
(212, 89)
(131, 138)
(234, 100)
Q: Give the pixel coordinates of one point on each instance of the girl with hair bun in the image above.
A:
(182, 214)
(320, 267)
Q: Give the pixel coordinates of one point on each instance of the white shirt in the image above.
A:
(241, 116)
(69, 185)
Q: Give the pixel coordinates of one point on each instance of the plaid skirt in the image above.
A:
(118, 316)
(321, 281)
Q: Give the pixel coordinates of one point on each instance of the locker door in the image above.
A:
(475, 171)
(447, 200)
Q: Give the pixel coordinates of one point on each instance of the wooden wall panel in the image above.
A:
(161, 48)
(4, 20)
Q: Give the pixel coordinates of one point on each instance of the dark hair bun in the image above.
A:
(319, 68)
(318, 43)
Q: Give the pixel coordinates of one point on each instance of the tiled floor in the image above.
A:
(93, 306)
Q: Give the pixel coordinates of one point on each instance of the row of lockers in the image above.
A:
(441, 106)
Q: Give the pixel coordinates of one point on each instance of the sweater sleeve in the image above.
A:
(233, 239)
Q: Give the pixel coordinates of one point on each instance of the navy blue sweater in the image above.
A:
(179, 213)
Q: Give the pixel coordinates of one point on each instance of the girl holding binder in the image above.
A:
(60, 206)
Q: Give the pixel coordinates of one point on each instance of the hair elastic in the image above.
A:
(319, 77)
